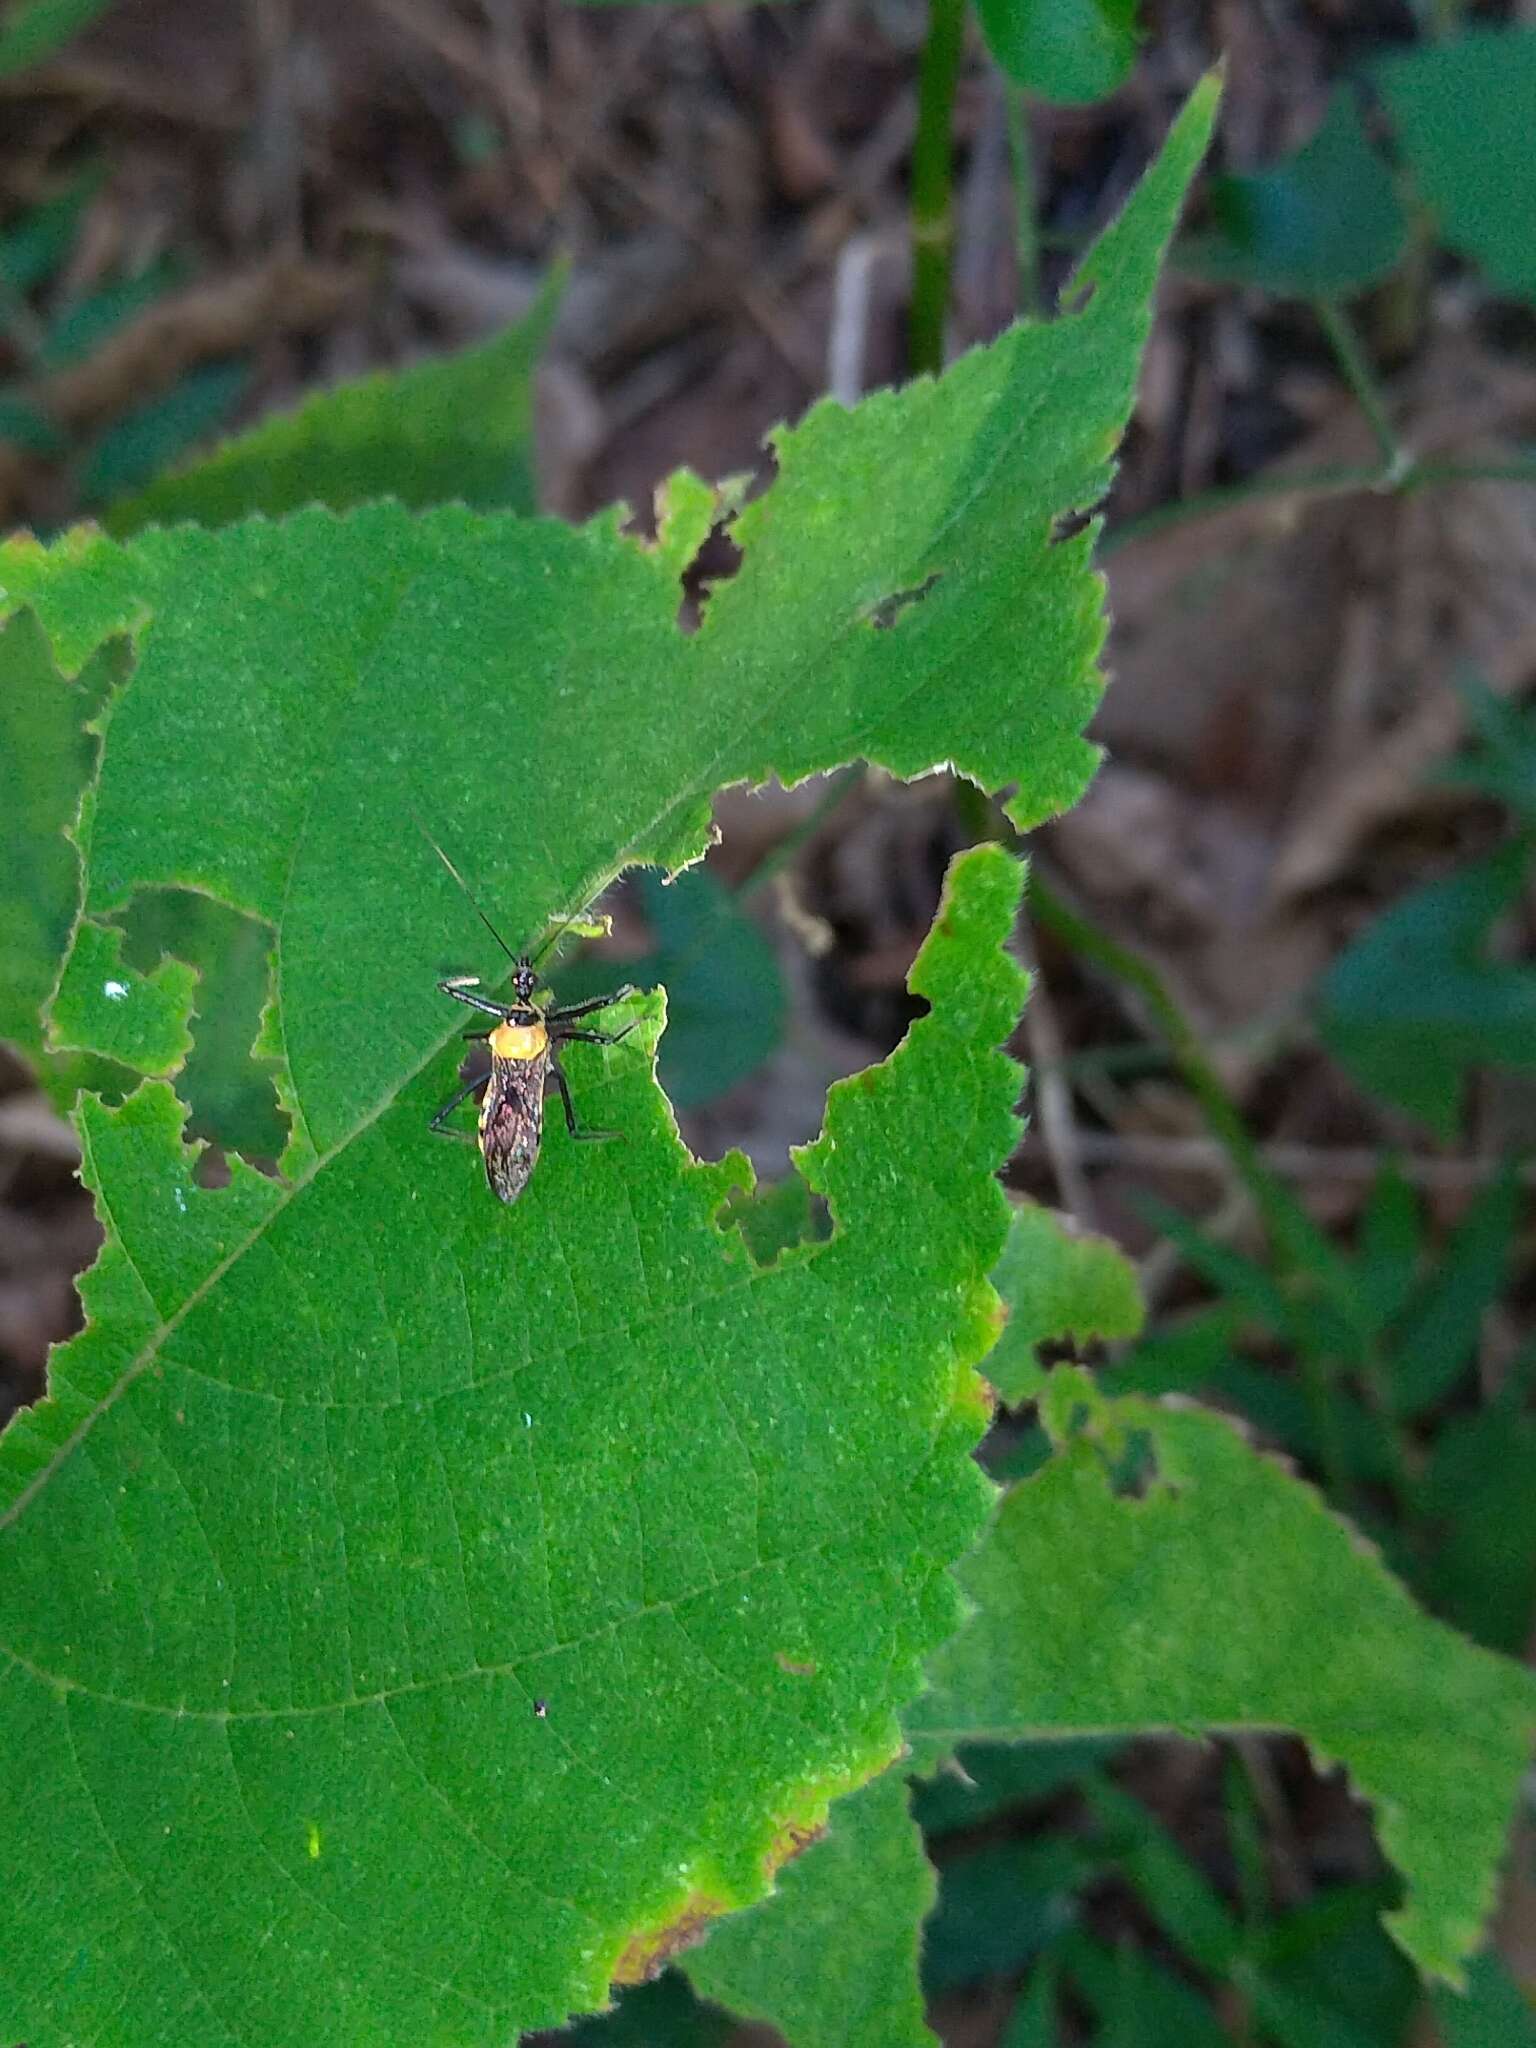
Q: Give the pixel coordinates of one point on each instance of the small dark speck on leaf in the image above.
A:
(541, 1710)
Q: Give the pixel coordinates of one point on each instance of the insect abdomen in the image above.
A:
(512, 1123)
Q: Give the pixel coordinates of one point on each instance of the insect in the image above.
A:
(524, 1045)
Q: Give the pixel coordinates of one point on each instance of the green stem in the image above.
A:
(1300, 1247)
(1336, 481)
(1361, 379)
(780, 855)
(1026, 227)
(933, 224)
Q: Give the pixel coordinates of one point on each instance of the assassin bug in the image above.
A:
(525, 1046)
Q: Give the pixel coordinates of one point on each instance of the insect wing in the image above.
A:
(512, 1123)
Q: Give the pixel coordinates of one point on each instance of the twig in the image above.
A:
(1058, 1125)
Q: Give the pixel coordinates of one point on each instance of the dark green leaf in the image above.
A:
(999, 1906)
(988, 1778)
(1502, 760)
(1188, 1909)
(457, 429)
(831, 1958)
(83, 326)
(1416, 999)
(1438, 1336)
(24, 426)
(1226, 1595)
(1069, 51)
(138, 446)
(1478, 1494)
(34, 246)
(1139, 2003)
(1391, 1246)
(1033, 2024)
(725, 995)
(35, 30)
(1493, 2012)
(1463, 112)
(1326, 220)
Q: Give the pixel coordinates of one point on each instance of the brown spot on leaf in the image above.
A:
(646, 1955)
(788, 1664)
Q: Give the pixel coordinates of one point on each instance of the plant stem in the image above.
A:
(1300, 1247)
(1361, 378)
(1334, 481)
(933, 224)
(1026, 228)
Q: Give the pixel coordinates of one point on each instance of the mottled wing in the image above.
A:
(512, 1123)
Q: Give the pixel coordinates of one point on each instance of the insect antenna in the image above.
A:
(469, 893)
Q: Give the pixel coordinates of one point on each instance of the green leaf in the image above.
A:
(987, 1778)
(82, 327)
(1033, 2024)
(1493, 2011)
(1478, 1492)
(35, 30)
(1324, 220)
(636, 1535)
(999, 1906)
(34, 245)
(1068, 51)
(831, 1958)
(423, 1611)
(725, 995)
(1415, 999)
(145, 441)
(24, 425)
(1227, 1596)
(661, 2014)
(1462, 108)
(1391, 1246)
(105, 1006)
(1439, 1333)
(1188, 1909)
(46, 755)
(1140, 2004)
(1326, 1973)
(1502, 760)
(458, 429)
(1055, 1285)
(775, 1215)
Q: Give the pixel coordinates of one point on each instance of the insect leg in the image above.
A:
(581, 1137)
(594, 1037)
(439, 1122)
(475, 1000)
(586, 1009)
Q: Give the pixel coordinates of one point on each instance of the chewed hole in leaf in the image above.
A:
(230, 1093)
(885, 614)
(1068, 525)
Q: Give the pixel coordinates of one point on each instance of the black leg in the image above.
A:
(439, 1122)
(581, 1137)
(585, 1009)
(475, 1000)
(561, 1035)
